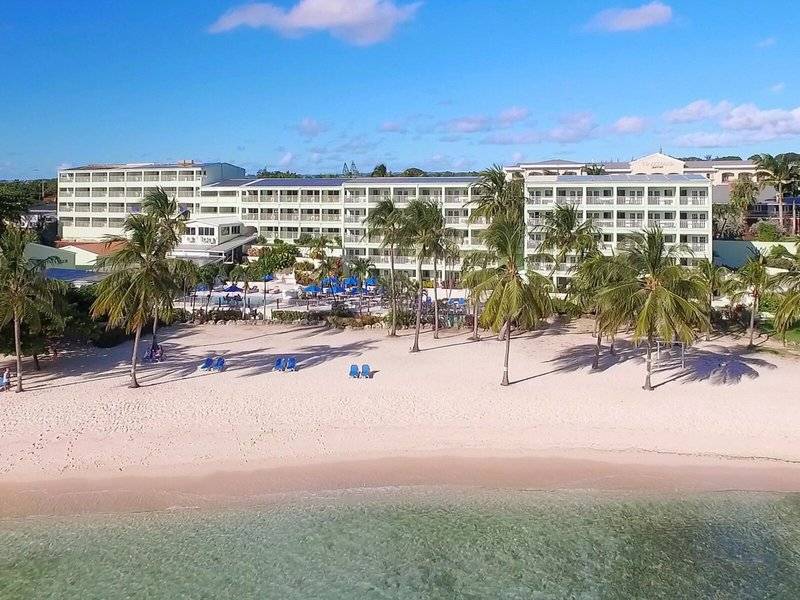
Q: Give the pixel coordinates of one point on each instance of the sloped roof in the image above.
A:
(99, 248)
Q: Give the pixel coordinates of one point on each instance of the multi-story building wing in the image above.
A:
(94, 200)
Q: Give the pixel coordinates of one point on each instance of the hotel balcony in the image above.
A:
(355, 199)
(697, 246)
(602, 222)
(331, 218)
(456, 199)
(573, 200)
(693, 200)
(694, 223)
(354, 218)
(289, 217)
(352, 239)
(662, 223)
(630, 222)
(660, 200)
(600, 200)
(116, 177)
(535, 222)
(630, 200)
(250, 217)
(540, 200)
(332, 198)
(453, 220)
(309, 217)
(540, 266)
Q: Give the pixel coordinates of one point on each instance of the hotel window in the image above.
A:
(190, 231)
(236, 229)
(205, 231)
(224, 230)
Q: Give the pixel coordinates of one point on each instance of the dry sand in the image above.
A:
(79, 421)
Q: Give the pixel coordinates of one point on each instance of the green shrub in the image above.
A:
(290, 316)
(765, 231)
(405, 318)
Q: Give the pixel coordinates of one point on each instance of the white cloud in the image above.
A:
(286, 159)
(309, 127)
(392, 127)
(513, 138)
(358, 22)
(632, 19)
(744, 124)
(572, 128)
(513, 114)
(699, 110)
(629, 124)
(468, 124)
(766, 42)
(777, 88)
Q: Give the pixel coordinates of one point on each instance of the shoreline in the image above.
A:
(578, 470)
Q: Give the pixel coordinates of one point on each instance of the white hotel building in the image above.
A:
(93, 201)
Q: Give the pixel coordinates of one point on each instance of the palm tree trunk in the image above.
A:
(501, 335)
(244, 303)
(710, 311)
(435, 301)
(647, 386)
(393, 326)
(415, 347)
(780, 207)
(507, 327)
(475, 335)
(135, 357)
(36, 366)
(753, 311)
(155, 330)
(18, 349)
(611, 347)
(597, 348)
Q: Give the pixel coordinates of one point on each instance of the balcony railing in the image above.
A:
(541, 266)
(116, 178)
(602, 222)
(662, 223)
(694, 223)
(630, 200)
(352, 238)
(534, 222)
(331, 218)
(335, 198)
(250, 217)
(561, 200)
(697, 246)
(309, 217)
(629, 222)
(285, 217)
(355, 199)
(693, 200)
(456, 199)
(595, 200)
(354, 218)
(541, 200)
(660, 200)
(64, 208)
(456, 220)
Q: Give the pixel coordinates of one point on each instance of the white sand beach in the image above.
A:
(78, 418)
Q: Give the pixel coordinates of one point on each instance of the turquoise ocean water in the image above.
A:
(418, 543)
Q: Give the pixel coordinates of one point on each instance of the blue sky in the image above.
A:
(440, 84)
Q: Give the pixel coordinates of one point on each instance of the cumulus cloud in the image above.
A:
(309, 127)
(746, 123)
(513, 138)
(699, 110)
(482, 123)
(358, 22)
(629, 124)
(777, 88)
(392, 127)
(513, 114)
(632, 19)
(574, 127)
(766, 42)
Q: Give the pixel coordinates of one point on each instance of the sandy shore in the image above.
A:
(78, 419)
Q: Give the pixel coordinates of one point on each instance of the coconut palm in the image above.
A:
(715, 281)
(564, 232)
(754, 280)
(655, 295)
(361, 267)
(245, 272)
(474, 272)
(496, 194)
(139, 282)
(207, 275)
(513, 298)
(26, 295)
(744, 192)
(318, 246)
(186, 275)
(593, 275)
(780, 172)
(387, 221)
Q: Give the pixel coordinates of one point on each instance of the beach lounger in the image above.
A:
(207, 364)
(219, 365)
(365, 372)
(354, 371)
(279, 364)
(291, 364)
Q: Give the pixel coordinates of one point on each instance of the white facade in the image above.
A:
(93, 202)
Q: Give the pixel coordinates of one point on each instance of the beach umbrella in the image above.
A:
(268, 277)
(201, 287)
(371, 282)
(312, 289)
(232, 288)
(351, 281)
(338, 289)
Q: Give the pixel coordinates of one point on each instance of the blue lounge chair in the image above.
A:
(219, 364)
(291, 364)
(207, 364)
(279, 365)
(354, 371)
(365, 372)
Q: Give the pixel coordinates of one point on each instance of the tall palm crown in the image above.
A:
(714, 280)
(361, 267)
(655, 295)
(565, 232)
(139, 282)
(166, 211)
(779, 172)
(743, 194)
(513, 298)
(496, 194)
(26, 294)
(753, 279)
(387, 221)
(788, 281)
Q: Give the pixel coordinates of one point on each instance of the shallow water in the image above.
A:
(418, 543)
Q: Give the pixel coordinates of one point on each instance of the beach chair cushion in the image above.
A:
(365, 372)
(279, 365)
(291, 364)
(207, 363)
(354, 371)
(219, 364)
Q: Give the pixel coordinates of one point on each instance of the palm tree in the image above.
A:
(714, 279)
(564, 232)
(207, 275)
(171, 222)
(779, 172)
(474, 271)
(27, 295)
(329, 266)
(245, 272)
(423, 230)
(361, 267)
(513, 299)
(744, 192)
(595, 169)
(187, 275)
(387, 221)
(655, 295)
(139, 281)
(318, 247)
(496, 194)
(593, 275)
(754, 280)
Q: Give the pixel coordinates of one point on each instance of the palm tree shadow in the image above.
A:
(717, 365)
(579, 358)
